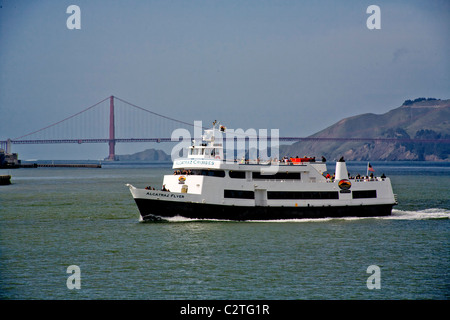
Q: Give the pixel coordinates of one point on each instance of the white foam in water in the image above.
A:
(184, 219)
(180, 219)
(433, 213)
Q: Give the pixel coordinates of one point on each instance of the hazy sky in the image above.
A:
(298, 66)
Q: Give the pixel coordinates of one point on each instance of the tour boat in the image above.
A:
(205, 185)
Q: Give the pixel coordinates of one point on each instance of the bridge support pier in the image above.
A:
(8, 146)
(112, 139)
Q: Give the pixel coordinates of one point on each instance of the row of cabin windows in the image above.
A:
(298, 195)
(284, 176)
(239, 194)
(278, 175)
(302, 195)
(364, 194)
(241, 174)
(209, 173)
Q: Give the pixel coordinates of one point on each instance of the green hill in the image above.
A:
(146, 155)
(421, 118)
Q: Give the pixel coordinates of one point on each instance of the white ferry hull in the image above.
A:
(157, 205)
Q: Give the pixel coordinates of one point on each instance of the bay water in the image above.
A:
(54, 218)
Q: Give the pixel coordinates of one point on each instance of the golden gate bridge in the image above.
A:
(112, 121)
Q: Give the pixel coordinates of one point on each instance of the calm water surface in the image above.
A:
(52, 218)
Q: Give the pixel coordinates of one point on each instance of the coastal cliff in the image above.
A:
(146, 155)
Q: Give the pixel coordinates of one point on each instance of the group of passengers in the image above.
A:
(183, 172)
(297, 159)
(152, 188)
(369, 177)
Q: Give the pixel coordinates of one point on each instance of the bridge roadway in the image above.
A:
(128, 140)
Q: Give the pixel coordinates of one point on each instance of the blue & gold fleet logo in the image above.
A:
(344, 184)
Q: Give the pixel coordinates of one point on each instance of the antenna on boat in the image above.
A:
(216, 124)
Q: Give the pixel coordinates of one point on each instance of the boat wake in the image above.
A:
(426, 214)
(434, 213)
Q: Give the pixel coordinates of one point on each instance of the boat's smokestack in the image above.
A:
(341, 170)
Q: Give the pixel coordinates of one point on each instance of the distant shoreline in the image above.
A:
(103, 162)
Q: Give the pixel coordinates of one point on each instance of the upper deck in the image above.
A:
(208, 153)
(248, 165)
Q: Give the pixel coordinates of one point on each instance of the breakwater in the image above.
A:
(57, 165)
(68, 165)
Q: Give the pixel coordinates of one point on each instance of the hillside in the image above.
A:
(418, 119)
(146, 155)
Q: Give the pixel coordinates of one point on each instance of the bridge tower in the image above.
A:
(112, 139)
(8, 146)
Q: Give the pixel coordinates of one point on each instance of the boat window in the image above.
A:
(299, 195)
(237, 174)
(364, 194)
(215, 173)
(211, 151)
(209, 173)
(277, 176)
(240, 194)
